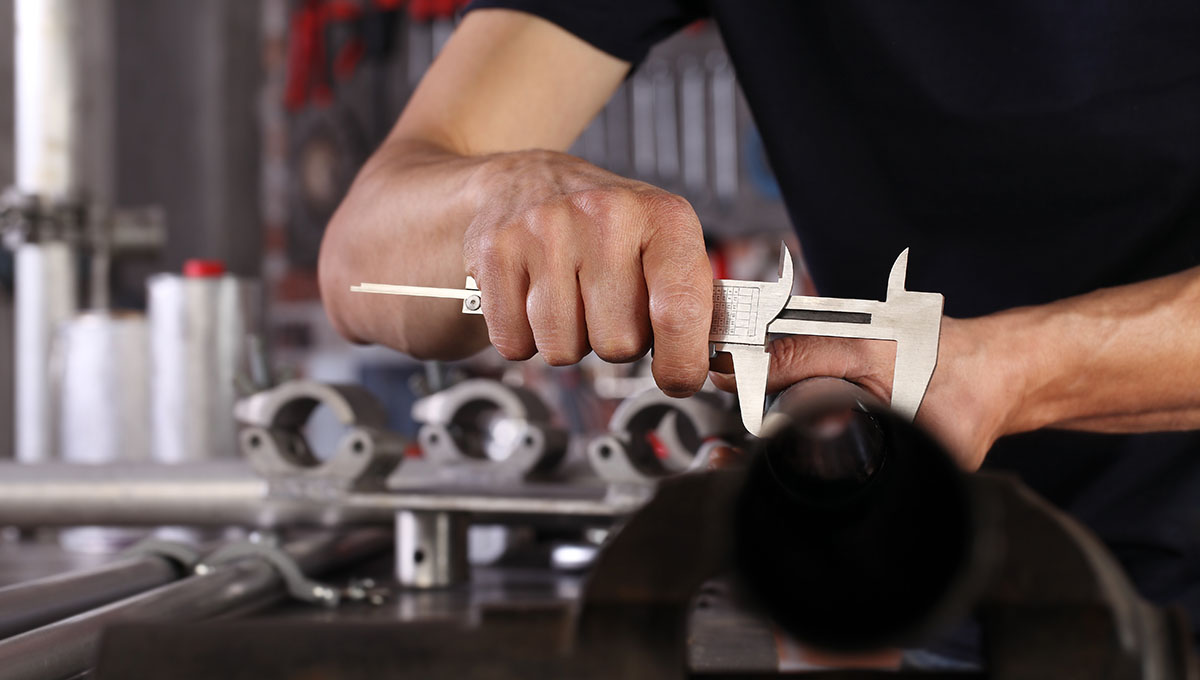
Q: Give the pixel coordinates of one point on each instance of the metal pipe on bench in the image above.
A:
(67, 648)
(28, 605)
(231, 494)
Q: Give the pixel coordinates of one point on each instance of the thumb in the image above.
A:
(870, 363)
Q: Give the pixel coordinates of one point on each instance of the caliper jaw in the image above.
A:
(742, 312)
(911, 319)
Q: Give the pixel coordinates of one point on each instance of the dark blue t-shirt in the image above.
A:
(1026, 150)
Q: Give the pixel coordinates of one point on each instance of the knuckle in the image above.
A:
(558, 349)
(560, 357)
(492, 250)
(671, 210)
(619, 348)
(787, 351)
(546, 216)
(597, 201)
(511, 347)
(681, 312)
(547, 223)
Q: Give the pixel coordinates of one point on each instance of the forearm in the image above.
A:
(1123, 359)
(403, 222)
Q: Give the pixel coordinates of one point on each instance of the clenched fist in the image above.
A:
(572, 258)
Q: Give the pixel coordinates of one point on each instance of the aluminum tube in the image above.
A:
(229, 494)
(25, 606)
(45, 298)
(67, 648)
(105, 388)
(197, 332)
(53, 494)
(49, 107)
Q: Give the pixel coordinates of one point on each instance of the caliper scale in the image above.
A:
(746, 313)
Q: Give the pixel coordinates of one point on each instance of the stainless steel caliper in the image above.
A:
(745, 313)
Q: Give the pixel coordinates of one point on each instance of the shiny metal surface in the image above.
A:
(105, 388)
(431, 549)
(231, 494)
(198, 329)
(25, 606)
(651, 436)
(273, 439)
(66, 648)
(913, 320)
(45, 298)
(483, 432)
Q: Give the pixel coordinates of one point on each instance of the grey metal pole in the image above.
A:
(67, 648)
(25, 606)
(231, 494)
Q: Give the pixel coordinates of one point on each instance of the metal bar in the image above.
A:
(231, 494)
(25, 606)
(418, 291)
(67, 648)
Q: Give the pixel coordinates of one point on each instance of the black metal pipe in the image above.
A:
(67, 648)
(854, 530)
(28, 605)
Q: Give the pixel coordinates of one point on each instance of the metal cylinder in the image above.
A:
(25, 606)
(67, 648)
(848, 509)
(212, 494)
(46, 296)
(431, 549)
(228, 493)
(105, 405)
(49, 97)
(198, 331)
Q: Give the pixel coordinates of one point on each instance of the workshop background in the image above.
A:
(185, 437)
(245, 122)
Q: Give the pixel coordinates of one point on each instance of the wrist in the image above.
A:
(978, 388)
(1016, 366)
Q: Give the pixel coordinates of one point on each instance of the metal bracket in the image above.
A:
(299, 586)
(272, 438)
(183, 555)
(483, 430)
(625, 453)
(912, 319)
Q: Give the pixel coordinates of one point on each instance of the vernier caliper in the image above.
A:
(745, 313)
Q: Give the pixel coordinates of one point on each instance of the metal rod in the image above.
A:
(25, 606)
(67, 648)
(231, 494)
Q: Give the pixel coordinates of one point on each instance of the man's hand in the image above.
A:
(1124, 359)
(573, 258)
(967, 403)
(569, 257)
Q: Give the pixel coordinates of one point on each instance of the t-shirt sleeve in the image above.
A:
(626, 29)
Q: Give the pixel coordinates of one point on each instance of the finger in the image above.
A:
(556, 316)
(869, 363)
(504, 285)
(726, 458)
(679, 287)
(615, 308)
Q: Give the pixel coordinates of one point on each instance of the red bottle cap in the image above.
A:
(203, 269)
